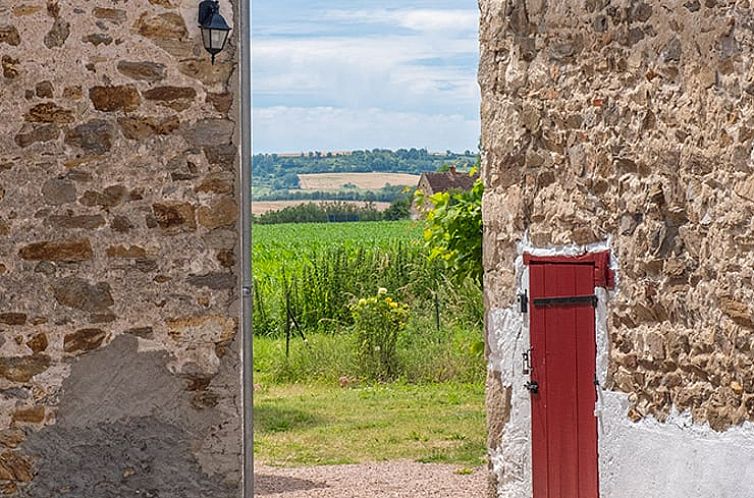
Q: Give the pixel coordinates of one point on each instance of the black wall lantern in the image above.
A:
(214, 28)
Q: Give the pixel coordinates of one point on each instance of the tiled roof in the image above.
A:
(443, 182)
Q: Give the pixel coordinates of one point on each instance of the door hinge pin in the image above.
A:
(523, 300)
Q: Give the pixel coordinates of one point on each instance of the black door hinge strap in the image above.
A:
(563, 301)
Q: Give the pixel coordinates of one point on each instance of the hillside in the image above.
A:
(291, 177)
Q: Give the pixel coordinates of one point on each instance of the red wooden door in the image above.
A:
(563, 355)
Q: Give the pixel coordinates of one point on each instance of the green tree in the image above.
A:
(399, 209)
(453, 231)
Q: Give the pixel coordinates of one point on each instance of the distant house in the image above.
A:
(433, 183)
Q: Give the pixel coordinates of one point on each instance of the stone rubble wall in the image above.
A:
(119, 349)
(631, 121)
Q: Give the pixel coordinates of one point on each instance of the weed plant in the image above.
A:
(378, 321)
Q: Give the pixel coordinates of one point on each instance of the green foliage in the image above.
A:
(377, 321)
(286, 181)
(453, 231)
(268, 166)
(337, 212)
(400, 208)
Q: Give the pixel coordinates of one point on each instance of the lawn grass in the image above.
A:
(316, 424)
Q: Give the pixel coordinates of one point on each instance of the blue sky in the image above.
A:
(357, 74)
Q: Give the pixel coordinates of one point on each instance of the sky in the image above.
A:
(337, 75)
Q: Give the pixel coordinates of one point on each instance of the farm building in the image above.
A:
(119, 252)
(433, 183)
(447, 181)
(619, 247)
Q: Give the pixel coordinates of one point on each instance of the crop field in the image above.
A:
(312, 272)
(289, 245)
(364, 181)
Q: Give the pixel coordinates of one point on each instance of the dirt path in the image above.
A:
(372, 480)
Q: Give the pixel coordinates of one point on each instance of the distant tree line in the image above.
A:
(336, 212)
(388, 193)
(280, 172)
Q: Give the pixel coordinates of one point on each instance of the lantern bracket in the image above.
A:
(206, 9)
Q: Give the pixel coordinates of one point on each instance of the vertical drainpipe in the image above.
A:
(247, 337)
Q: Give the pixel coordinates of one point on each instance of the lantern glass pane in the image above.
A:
(206, 38)
(218, 38)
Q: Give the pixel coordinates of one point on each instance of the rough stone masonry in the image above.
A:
(119, 362)
(630, 123)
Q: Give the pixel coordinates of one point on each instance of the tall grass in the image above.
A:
(424, 356)
(316, 295)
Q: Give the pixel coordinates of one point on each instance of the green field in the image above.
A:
(313, 272)
(288, 245)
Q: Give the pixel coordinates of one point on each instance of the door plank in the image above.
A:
(561, 389)
(540, 470)
(586, 345)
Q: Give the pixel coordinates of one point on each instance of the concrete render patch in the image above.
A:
(511, 461)
(123, 415)
(131, 457)
(111, 384)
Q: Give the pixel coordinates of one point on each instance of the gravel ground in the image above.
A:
(370, 480)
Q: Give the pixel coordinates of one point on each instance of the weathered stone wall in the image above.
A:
(119, 370)
(631, 121)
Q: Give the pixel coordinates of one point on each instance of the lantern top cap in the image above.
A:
(210, 17)
(217, 22)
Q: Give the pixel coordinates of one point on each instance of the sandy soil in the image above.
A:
(368, 181)
(373, 480)
(261, 207)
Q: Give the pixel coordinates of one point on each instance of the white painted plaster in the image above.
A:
(674, 459)
(648, 459)
(512, 459)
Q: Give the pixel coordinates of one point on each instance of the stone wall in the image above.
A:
(630, 122)
(119, 362)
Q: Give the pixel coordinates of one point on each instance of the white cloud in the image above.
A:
(351, 77)
(422, 20)
(364, 72)
(295, 129)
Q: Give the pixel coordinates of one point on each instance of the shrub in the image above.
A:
(453, 230)
(378, 320)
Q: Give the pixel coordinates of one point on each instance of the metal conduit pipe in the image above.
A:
(247, 337)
